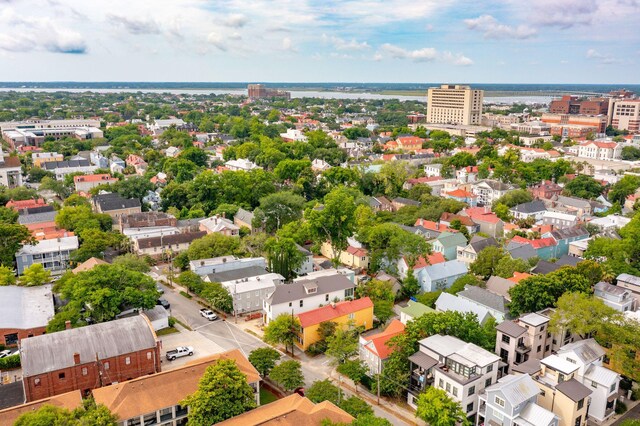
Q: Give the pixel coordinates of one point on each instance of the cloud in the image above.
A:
(287, 45)
(342, 44)
(38, 34)
(236, 20)
(565, 14)
(492, 29)
(135, 26)
(218, 41)
(603, 58)
(426, 54)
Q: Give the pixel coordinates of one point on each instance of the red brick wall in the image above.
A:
(96, 374)
(22, 334)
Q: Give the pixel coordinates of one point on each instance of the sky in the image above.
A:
(412, 41)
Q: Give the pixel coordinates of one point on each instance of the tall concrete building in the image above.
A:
(625, 114)
(454, 104)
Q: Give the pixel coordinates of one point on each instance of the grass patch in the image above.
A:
(187, 295)
(184, 325)
(266, 396)
(165, 331)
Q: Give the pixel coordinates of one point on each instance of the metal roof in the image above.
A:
(629, 279)
(535, 415)
(575, 390)
(534, 319)
(55, 351)
(516, 389)
(449, 302)
(295, 291)
(560, 364)
(510, 328)
(601, 375)
(25, 307)
(484, 297)
(50, 246)
(449, 345)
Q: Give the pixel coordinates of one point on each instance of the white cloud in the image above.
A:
(134, 25)
(426, 54)
(492, 29)
(287, 45)
(456, 59)
(566, 14)
(342, 44)
(603, 58)
(236, 20)
(218, 41)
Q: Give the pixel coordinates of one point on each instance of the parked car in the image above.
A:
(208, 314)
(164, 303)
(160, 289)
(179, 352)
(5, 353)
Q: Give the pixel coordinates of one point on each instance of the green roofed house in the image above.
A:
(447, 243)
(413, 310)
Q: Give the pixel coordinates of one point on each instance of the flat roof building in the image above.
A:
(454, 104)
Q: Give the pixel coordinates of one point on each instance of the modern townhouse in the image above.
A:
(618, 298)
(307, 294)
(631, 283)
(461, 369)
(513, 402)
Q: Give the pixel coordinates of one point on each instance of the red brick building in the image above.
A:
(546, 190)
(572, 105)
(88, 357)
(24, 312)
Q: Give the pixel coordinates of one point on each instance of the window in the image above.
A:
(150, 419)
(127, 360)
(487, 382)
(581, 403)
(290, 304)
(579, 421)
(348, 292)
(539, 348)
(61, 376)
(352, 316)
(448, 387)
(166, 414)
(613, 387)
(506, 339)
(542, 328)
(36, 382)
(542, 393)
(470, 407)
(301, 303)
(499, 401)
(594, 384)
(326, 297)
(84, 371)
(148, 355)
(441, 384)
(489, 368)
(472, 390)
(106, 365)
(455, 391)
(497, 414)
(546, 348)
(11, 339)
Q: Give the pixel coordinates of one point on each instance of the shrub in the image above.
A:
(188, 296)
(621, 407)
(172, 321)
(10, 362)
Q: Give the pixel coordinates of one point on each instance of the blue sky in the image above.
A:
(496, 41)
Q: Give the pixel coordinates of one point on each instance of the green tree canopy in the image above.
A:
(35, 275)
(583, 186)
(282, 330)
(437, 409)
(288, 375)
(264, 359)
(12, 238)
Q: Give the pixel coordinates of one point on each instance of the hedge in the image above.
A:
(10, 362)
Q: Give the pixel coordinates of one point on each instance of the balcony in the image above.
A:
(522, 348)
(418, 381)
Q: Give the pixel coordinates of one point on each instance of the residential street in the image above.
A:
(226, 335)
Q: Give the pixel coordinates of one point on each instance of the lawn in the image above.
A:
(266, 396)
(165, 331)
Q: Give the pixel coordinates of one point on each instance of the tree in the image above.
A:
(487, 261)
(334, 221)
(279, 209)
(12, 238)
(623, 188)
(353, 369)
(132, 262)
(437, 409)
(6, 276)
(288, 375)
(356, 407)
(55, 186)
(8, 215)
(342, 345)
(323, 390)
(264, 359)
(465, 280)
(507, 266)
(78, 218)
(214, 245)
(49, 415)
(35, 275)
(410, 285)
(192, 281)
(583, 315)
(282, 330)
(515, 197)
(217, 296)
(583, 186)
(630, 153)
(283, 256)
(382, 296)
(370, 420)
(223, 392)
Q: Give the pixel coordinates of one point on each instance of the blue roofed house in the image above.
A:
(566, 236)
(441, 275)
(447, 243)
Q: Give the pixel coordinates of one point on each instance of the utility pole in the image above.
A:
(378, 389)
(293, 332)
(339, 387)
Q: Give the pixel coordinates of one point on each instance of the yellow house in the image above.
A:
(352, 256)
(359, 312)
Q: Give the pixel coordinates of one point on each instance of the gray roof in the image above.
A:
(573, 232)
(499, 285)
(64, 164)
(236, 274)
(496, 185)
(449, 302)
(522, 251)
(168, 240)
(574, 202)
(423, 360)
(611, 289)
(26, 219)
(510, 328)
(244, 216)
(25, 307)
(530, 207)
(629, 279)
(12, 394)
(531, 366)
(156, 313)
(446, 269)
(303, 250)
(480, 244)
(575, 390)
(543, 267)
(484, 297)
(108, 202)
(565, 260)
(406, 201)
(51, 352)
(296, 291)
(587, 350)
(516, 389)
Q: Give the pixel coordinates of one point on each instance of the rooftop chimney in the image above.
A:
(67, 325)
(76, 358)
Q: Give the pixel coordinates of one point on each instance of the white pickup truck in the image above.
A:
(179, 352)
(208, 314)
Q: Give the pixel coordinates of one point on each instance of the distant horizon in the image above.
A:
(13, 82)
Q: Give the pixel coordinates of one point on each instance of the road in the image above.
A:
(228, 336)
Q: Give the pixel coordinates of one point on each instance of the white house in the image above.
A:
(249, 293)
(306, 267)
(319, 165)
(241, 164)
(533, 209)
(10, 171)
(433, 169)
(450, 302)
(306, 294)
(293, 135)
(463, 370)
(559, 220)
(219, 225)
(53, 254)
(599, 150)
(373, 349)
(618, 298)
(440, 276)
(488, 190)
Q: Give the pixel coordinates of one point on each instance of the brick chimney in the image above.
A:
(67, 325)
(76, 358)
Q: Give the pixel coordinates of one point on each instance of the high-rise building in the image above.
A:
(625, 114)
(454, 104)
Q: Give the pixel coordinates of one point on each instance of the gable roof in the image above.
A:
(296, 290)
(70, 401)
(244, 216)
(153, 392)
(530, 207)
(479, 244)
(510, 328)
(449, 302)
(586, 350)
(377, 343)
(88, 265)
(485, 298)
(108, 202)
(432, 259)
(446, 269)
(573, 389)
(481, 214)
(572, 232)
(333, 311)
(293, 410)
(516, 389)
(416, 309)
(55, 351)
(499, 285)
(449, 217)
(448, 239)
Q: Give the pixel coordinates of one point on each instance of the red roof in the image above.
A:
(93, 178)
(518, 276)
(25, 204)
(380, 340)
(432, 259)
(450, 217)
(536, 244)
(424, 179)
(460, 193)
(479, 213)
(433, 226)
(331, 312)
(360, 252)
